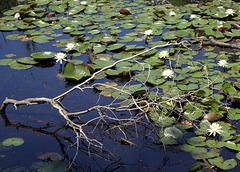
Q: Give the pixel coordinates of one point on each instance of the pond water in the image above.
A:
(27, 123)
(45, 132)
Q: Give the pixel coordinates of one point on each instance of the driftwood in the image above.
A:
(214, 42)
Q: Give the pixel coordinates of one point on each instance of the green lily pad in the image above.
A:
(232, 146)
(5, 62)
(14, 169)
(76, 72)
(170, 35)
(26, 60)
(7, 27)
(114, 47)
(98, 49)
(229, 89)
(15, 141)
(197, 141)
(128, 26)
(225, 165)
(58, 8)
(56, 166)
(42, 39)
(173, 132)
(43, 55)
(168, 141)
(40, 23)
(187, 87)
(94, 32)
(18, 66)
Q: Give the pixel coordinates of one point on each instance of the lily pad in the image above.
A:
(56, 166)
(26, 60)
(42, 39)
(18, 66)
(76, 72)
(5, 62)
(173, 132)
(15, 141)
(39, 56)
(225, 165)
(14, 169)
(187, 87)
(114, 47)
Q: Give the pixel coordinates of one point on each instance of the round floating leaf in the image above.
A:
(197, 141)
(40, 23)
(215, 143)
(112, 72)
(108, 39)
(168, 141)
(134, 48)
(238, 155)
(233, 146)
(98, 49)
(26, 60)
(77, 33)
(103, 62)
(13, 37)
(18, 66)
(182, 33)
(128, 26)
(43, 55)
(42, 39)
(170, 35)
(56, 166)
(76, 72)
(14, 169)
(94, 32)
(173, 132)
(187, 87)
(225, 165)
(7, 27)
(114, 47)
(50, 156)
(5, 62)
(15, 141)
(58, 8)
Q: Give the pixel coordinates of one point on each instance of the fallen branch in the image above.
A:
(213, 42)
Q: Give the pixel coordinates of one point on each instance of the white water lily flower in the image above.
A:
(84, 2)
(17, 16)
(168, 73)
(148, 32)
(60, 57)
(172, 13)
(230, 12)
(222, 63)
(70, 13)
(214, 128)
(163, 54)
(70, 46)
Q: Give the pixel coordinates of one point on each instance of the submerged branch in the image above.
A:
(213, 42)
(59, 97)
